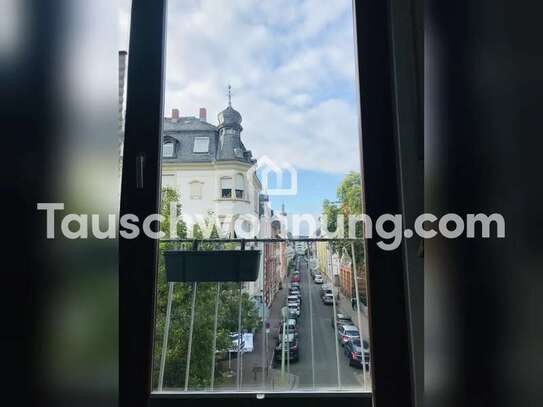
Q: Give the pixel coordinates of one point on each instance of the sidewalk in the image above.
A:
(254, 365)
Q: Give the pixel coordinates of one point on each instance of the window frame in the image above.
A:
(221, 189)
(140, 194)
(239, 174)
(169, 143)
(200, 138)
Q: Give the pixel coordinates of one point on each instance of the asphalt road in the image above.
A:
(318, 365)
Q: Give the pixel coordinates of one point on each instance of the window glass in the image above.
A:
(201, 144)
(226, 187)
(240, 186)
(168, 149)
(266, 103)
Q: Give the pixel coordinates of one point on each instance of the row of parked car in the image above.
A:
(349, 338)
(327, 295)
(288, 329)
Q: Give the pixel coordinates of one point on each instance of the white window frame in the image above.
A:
(221, 187)
(164, 152)
(198, 147)
(237, 184)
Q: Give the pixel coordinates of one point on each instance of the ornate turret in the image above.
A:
(230, 117)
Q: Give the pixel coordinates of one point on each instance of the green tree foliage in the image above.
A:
(349, 194)
(203, 333)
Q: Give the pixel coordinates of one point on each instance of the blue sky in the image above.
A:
(292, 70)
(313, 187)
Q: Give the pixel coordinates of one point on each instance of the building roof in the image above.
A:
(184, 131)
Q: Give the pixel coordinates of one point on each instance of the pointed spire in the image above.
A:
(229, 95)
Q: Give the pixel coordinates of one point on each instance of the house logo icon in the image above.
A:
(267, 168)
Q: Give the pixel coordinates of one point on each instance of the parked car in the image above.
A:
(326, 288)
(293, 313)
(328, 299)
(318, 279)
(353, 351)
(293, 353)
(347, 333)
(294, 308)
(295, 284)
(292, 327)
(295, 278)
(342, 319)
(295, 291)
(294, 299)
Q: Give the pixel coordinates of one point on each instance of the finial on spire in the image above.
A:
(229, 95)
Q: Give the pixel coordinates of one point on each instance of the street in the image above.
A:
(319, 357)
(317, 367)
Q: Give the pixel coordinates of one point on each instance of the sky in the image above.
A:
(291, 65)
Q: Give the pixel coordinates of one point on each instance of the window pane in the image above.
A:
(264, 108)
(240, 182)
(201, 144)
(168, 149)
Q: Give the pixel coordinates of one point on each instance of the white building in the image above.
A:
(211, 170)
(209, 165)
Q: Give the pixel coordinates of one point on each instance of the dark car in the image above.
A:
(295, 278)
(328, 299)
(342, 319)
(353, 351)
(293, 348)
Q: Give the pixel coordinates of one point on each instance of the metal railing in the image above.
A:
(265, 368)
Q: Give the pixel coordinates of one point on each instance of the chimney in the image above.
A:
(203, 114)
(175, 114)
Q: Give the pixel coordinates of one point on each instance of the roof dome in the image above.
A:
(229, 117)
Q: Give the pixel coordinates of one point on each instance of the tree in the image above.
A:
(203, 332)
(349, 194)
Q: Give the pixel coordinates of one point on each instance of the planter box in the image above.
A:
(212, 266)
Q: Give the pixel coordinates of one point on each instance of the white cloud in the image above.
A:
(291, 66)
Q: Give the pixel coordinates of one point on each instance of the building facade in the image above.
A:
(210, 167)
(213, 172)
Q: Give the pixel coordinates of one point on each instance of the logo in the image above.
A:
(266, 168)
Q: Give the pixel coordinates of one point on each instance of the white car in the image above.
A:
(318, 279)
(293, 299)
(294, 308)
(347, 333)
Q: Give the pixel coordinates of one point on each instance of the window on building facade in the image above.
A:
(196, 190)
(240, 186)
(201, 145)
(226, 187)
(168, 149)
